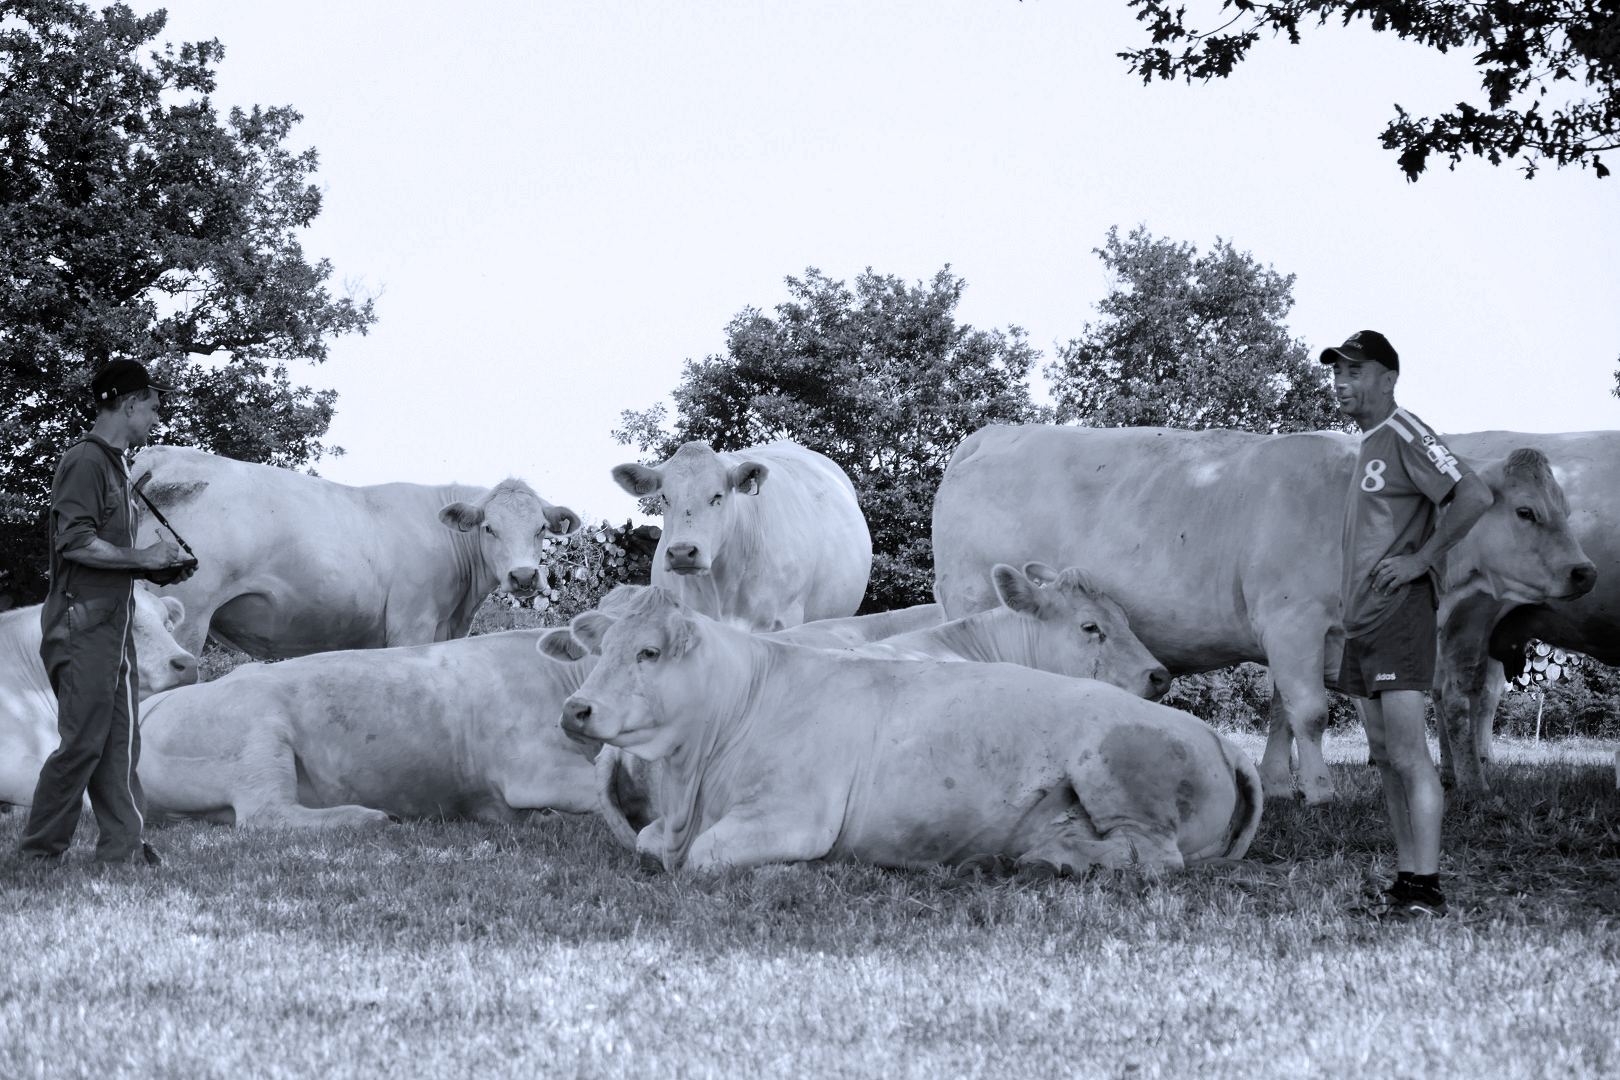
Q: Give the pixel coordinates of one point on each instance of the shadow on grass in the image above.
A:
(1545, 853)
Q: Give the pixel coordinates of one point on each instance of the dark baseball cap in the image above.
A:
(1365, 345)
(119, 377)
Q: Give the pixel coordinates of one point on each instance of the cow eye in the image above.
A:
(1093, 628)
(649, 654)
(1526, 514)
(488, 529)
(716, 500)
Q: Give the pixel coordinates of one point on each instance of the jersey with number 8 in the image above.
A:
(1403, 473)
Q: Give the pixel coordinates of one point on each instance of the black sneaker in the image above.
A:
(149, 853)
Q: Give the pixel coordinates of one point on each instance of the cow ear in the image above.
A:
(1016, 590)
(174, 612)
(560, 645)
(638, 480)
(1040, 573)
(461, 515)
(561, 520)
(589, 626)
(747, 477)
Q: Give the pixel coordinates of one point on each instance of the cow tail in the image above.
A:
(1251, 800)
(607, 796)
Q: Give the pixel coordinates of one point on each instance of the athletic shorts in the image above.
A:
(1398, 653)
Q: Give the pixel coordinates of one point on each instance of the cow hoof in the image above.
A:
(649, 864)
(395, 819)
(1036, 871)
(987, 865)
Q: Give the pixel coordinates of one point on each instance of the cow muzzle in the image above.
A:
(576, 717)
(1582, 579)
(523, 581)
(686, 558)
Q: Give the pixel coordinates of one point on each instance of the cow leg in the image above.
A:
(1296, 655)
(650, 846)
(1462, 679)
(736, 840)
(265, 792)
(1485, 711)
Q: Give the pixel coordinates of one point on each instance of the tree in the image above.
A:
(135, 225)
(882, 380)
(1193, 342)
(1526, 50)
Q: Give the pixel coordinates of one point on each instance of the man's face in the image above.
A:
(1365, 388)
(142, 416)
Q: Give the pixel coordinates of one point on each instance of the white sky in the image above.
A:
(562, 202)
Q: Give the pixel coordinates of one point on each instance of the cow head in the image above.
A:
(511, 520)
(1523, 546)
(699, 496)
(643, 637)
(163, 663)
(1079, 630)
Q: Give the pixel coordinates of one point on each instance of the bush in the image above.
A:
(580, 570)
(1240, 697)
(25, 560)
(1583, 701)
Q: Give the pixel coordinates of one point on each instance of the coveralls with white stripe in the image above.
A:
(89, 653)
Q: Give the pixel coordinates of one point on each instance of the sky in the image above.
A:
(558, 204)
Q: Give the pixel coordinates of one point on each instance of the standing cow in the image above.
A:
(764, 539)
(28, 707)
(290, 564)
(1484, 633)
(1224, 546)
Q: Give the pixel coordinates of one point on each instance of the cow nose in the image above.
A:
(681, 555)
(1158, 683)
(575, 715)
(185, 669)
(525, 577)
(1582, 578)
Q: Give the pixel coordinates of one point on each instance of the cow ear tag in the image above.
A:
(747, 477)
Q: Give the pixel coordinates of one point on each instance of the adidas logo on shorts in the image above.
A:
(1384, 677)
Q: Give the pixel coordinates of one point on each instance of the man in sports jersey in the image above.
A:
(88, 622)
(1394, 540)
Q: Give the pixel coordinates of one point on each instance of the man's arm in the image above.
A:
(98, 553)
(1469, 501)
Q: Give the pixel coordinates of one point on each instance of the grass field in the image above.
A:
(465, 950)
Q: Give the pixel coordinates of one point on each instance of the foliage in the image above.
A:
(438, 948)
(579, 570)
(136, 224)
(882, 379)
(1559, 695)
(1238, 698)
(1193, 342)
(1526, 48)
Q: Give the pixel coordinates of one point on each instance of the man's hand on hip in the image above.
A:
(1398, 570)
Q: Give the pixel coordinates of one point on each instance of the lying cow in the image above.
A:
(1484, 633)
(781, 753)
(1048, 621)
(764, 539)
(291, 564)
(1224, 546)
(28, 732)
(854, 631)
(464, 729)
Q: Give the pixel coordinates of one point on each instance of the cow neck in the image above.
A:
(999, 635)
(701, 763)
(471, 567)
(20, 635)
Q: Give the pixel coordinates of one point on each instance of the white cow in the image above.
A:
(782, 753)
(290, 564)
(464, 728)
(763, 539)
(28, 732)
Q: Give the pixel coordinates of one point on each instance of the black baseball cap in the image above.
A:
(119, 377)
(1365, 345)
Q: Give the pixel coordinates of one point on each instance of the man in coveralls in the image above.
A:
(88, 623)
(1393, 546)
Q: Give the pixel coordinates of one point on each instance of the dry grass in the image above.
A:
(457, 949)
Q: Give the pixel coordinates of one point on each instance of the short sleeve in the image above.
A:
(76, 502)
(1434, 469)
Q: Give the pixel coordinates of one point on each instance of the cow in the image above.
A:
(290, 564)
(857, 630)
(781, 753)
(1049, 621)
(1224, 546)
(457, 729)
(28, 731)
(765, 538)
(1486, 633)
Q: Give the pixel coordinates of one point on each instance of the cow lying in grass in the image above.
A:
(28, 731)
(781, 753)
(1048, 621)
(464, 728)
